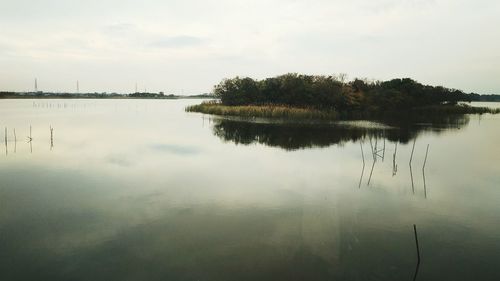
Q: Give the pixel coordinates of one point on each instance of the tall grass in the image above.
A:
(264, 111)
(303, 113)
(456, 109)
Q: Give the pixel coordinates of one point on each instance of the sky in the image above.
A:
(186, 47)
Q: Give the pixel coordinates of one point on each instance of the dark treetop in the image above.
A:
(331, 92)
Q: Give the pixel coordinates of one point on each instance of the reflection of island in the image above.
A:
(298, 136)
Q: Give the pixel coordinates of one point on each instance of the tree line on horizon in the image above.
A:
(333, 92)
(145, 95)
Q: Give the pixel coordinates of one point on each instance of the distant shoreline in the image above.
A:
(49, 95)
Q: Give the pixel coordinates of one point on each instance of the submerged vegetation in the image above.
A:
(331, 97)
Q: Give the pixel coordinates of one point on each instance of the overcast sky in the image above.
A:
(190, 45)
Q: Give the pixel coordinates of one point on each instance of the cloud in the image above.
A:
(118, 28)
(182, 41)
(171, 45)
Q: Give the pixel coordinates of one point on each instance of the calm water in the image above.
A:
(141, 190)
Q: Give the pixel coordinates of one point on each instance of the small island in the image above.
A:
(296, 96)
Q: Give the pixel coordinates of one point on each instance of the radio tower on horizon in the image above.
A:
(36, 85)
(77, 87)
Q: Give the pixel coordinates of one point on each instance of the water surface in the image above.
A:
(141, 190)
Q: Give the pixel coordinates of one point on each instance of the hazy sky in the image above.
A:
(190, 45)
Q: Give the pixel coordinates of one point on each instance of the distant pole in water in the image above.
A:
(51, 137)
(15, 141)
(6, 149)
(29, 137)
(31, 141)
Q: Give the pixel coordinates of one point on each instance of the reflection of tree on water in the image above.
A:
(293, 137)
(299, 136)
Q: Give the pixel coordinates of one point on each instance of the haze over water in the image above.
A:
(141, 190)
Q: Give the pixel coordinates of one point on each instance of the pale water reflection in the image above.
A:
(141, 190)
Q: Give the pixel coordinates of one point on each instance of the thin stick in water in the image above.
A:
(51, 137)
(363, 170)
(394, 165)
(15, 141)
(411, 172)
(30, 140)
(418, 252)
(416, 242)
(6, 147)
(423, 171)
(362, 153)
(412, 183)
(29, 137)
(371, 145)
(383, 153)
(426, 153)
(371, 172)
(425, 185)
(412, 150)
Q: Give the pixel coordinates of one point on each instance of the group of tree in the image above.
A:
(150, 95)
(485, 98)
(333, 92)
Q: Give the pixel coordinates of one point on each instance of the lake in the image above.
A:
(141, 190)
